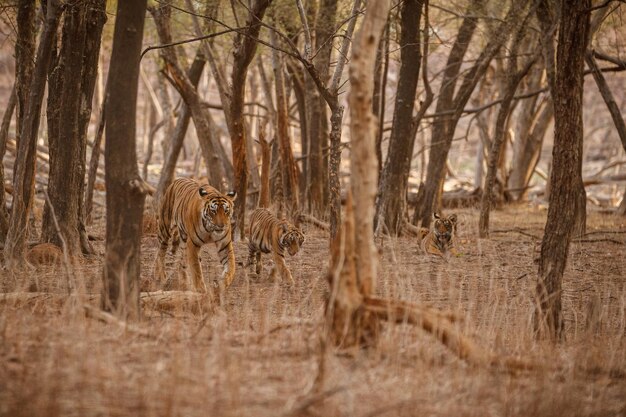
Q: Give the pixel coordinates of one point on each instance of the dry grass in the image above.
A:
(258, 355)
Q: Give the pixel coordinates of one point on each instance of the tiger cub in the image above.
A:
(196, 214)
(268, 234)
(440, 240)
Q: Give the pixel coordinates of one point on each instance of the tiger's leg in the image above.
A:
(252, 258)
(281, 267)
(181, 264)
(193, 261)
(259, 265)
(227, 259)
(159, 267)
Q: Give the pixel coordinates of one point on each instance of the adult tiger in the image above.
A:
(268, 234)
(440, 240)
(198, 214)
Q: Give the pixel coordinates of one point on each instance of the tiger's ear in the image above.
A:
(202, 192)
(436, 216)
(232, 195)
(452, 218)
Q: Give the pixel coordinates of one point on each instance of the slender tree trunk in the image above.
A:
(72, 82)
(288, 164)
(4, 135)
(391, 204)
(266, 156)
(451, 108)
(380, 86)
(24, 58)
(442, 125)
(245, 47)
(24, 180)
(532, 122)
(125, 189)
(94, 160)
(191, 97)
(318, 123)
(297, 80)
(178, 137)
(566, 177)
(514, 77)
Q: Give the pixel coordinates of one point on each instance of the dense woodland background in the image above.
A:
(364, 119)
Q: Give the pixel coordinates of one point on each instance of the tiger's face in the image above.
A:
(217, 210)
(290, 238)
(444, 228)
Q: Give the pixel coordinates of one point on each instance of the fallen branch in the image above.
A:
(315, 222)
(160, 301)
(516, 230)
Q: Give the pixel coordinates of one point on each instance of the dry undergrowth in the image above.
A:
(259, 353)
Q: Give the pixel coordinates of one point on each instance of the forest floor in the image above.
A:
(258, 355)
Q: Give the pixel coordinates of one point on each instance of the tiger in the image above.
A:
(268, 234)
(441, 239)
(196, 214)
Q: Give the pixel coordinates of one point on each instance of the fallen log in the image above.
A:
(157, 301)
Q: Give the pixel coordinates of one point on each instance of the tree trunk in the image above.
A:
(178, 137)
(297, 80)
(4, 135)
(441, 125)
(72, 82)
(288, 164)
(245, 47)
(354, 257)
(532, 122)
(94, 160)
(266, 156)
(566, 178)
(318, 123)
(188, 92)
(24, 180)
(24, 58)
(450, 106)
(391, 204)
(514, 77)
(125, 191)
(380, 86)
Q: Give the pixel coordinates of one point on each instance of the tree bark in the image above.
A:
(4, 135)
(391, 204)
(24, 180)
(354, 257)
(24, 58)
(72, 82)
(287, 162)
(245, 47)
(532, 123)
(514, 77)
(451, 106)
(188, 92)
(178, 136)
(566, 177)
(125, 191)
(318, 123)
(363, 143)
(94, 160)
